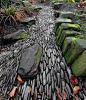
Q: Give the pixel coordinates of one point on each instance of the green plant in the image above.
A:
(7, 14)
(36, 56)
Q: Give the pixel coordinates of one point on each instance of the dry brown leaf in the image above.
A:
(0, 28)
(47, 97)
(29, 90)
(76, 89)
(34, 95)
(18, 16)
(12, 93)
(20, 79)
(64, 95)
(73, 80)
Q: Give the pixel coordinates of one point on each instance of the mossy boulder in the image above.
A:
(16, 35)
(61, 20)
(66, 33)
(76, 48)
(67, 15)
(66, 26)
(29, 20)
(66, 44)
(79, 66)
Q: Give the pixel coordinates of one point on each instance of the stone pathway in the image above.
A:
(53, 73)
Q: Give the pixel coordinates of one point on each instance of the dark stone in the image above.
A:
(57, 5)
(30, 61)
(57, 13)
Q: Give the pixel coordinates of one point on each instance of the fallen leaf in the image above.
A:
(47, 97)
(12, 93)
(34, 95)
(64, 95)
(29, 90)
(76, 89)
(73, 80)
(20, 79)
(0, 28)
(18, 16)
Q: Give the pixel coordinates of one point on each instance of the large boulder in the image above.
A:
(77, 47)
(66, 26)
(20, 34)
(79, 66)
(66, 33)
(67, 44)
(29, 61)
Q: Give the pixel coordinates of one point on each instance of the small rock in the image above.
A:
(29, 20)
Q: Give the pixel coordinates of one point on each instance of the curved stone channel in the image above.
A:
(53, 73)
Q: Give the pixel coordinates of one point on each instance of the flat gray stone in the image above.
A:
(61, 20)
(35, 7)
(16, 35)
(67, 15)
(30, 61)
(29, 20)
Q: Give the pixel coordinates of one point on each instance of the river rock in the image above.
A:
(30, 61)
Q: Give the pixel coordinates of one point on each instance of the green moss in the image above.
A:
(73, 39)
(22, 35)
(74, 25)
(75, 10)
(36, 56)
(66, 54)
(68, 31)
